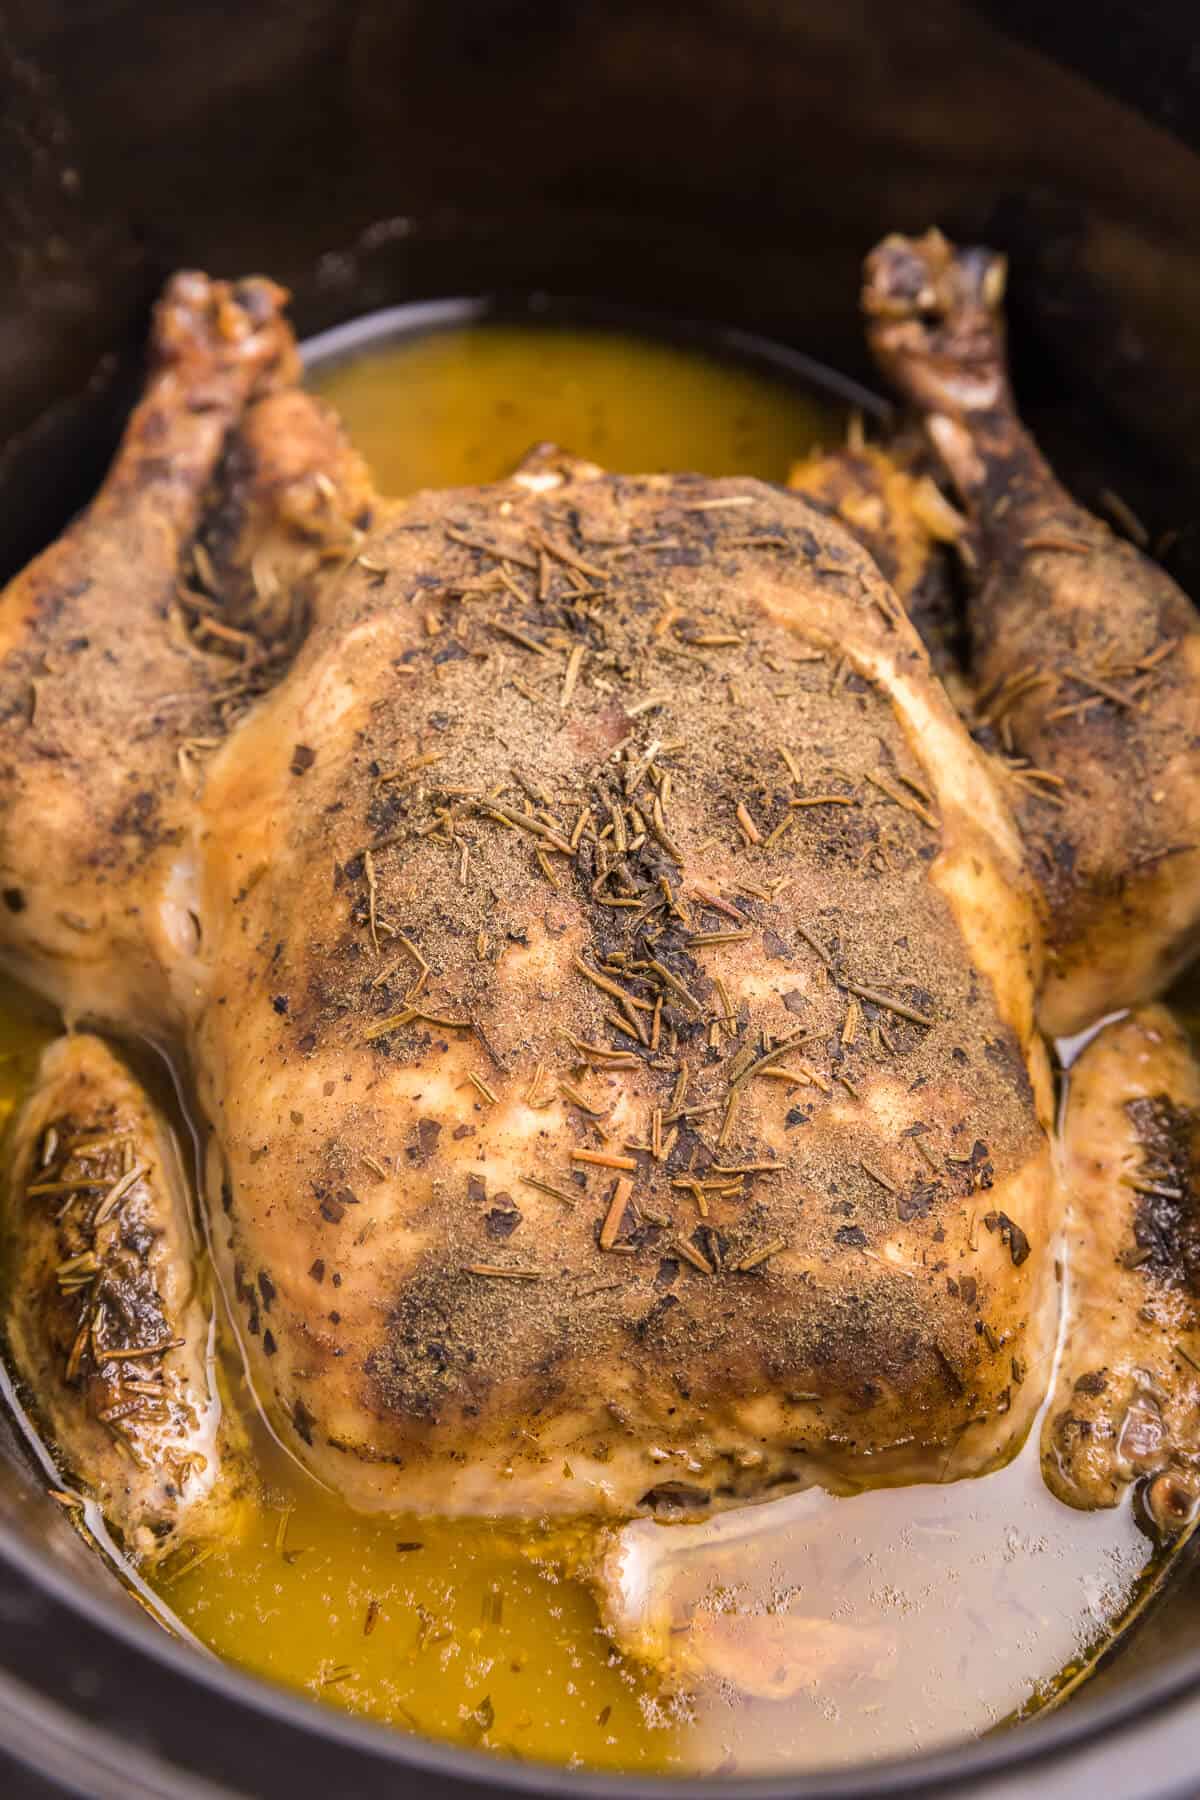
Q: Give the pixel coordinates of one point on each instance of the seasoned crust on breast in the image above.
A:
(620, 1040)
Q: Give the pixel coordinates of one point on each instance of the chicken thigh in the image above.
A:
(1082, 648)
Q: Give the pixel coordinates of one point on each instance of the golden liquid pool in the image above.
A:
(924, 1614)
(463, 405)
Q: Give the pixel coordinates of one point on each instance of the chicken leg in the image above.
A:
(99, 686)
(179, 594)
(1086, 648)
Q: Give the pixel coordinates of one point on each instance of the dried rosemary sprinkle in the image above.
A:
(753, 1258)
(908, 802)
(194, 1562)
(522, 638)
(602, 1054)
(547, 1187)
(759, 1063)
(695, 1188)
(372, 897)
(604, 1159)
(607, 986)
(707, 897)
(615, 1216)
(527, 822)
(568, 557)
(502, 1271)
(928, 1155)
(393, 1022)
(501, 554)
(814, 944)
(143, 1350)
(66, 1187)
(422, 967)
(899, 1007)
(117, 1193)
(1047, 541)
(677, 987)
(1103, 688)
(577, 1099)
(680, 1247)
(571, 676)
(407, 1016)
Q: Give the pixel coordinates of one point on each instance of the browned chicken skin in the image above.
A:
(1082, 648)
(104, 1314)
(1127, 1394)
(606, 967)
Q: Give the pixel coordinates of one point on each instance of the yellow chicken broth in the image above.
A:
(922, 1615)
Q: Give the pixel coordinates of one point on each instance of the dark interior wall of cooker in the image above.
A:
(727, 159)
(730, 158)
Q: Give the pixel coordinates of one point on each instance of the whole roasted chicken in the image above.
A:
(608, 974)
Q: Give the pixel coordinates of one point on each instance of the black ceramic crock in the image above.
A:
(724, 160)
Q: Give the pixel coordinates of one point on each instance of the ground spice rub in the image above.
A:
(623, 902)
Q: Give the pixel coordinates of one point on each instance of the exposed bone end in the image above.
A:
(677, 1599)
(206, 327)
(934, 322)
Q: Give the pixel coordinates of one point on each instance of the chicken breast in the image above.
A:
(605, 966)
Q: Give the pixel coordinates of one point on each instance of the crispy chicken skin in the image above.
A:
(1084, 649)
(604, 1108)
(105, 1323)
(1126, 1402)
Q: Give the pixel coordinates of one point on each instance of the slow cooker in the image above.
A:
(728, 161)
